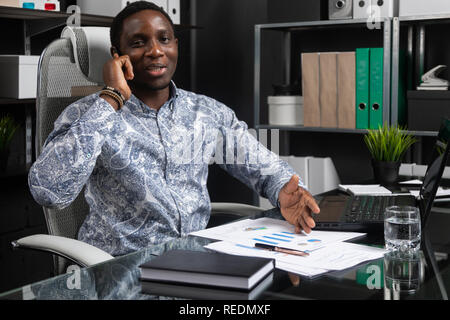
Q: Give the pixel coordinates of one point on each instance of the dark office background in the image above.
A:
(215, 60)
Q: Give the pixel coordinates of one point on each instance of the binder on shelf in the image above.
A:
(376, 88)
(402, 89)
(310, 85)
(328, 89)
(362, 87)
(346, 89)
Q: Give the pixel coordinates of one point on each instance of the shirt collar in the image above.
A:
(173, 90)
(173, 94)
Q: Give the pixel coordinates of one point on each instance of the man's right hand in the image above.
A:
(116, 72)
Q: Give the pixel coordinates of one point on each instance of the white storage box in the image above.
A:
(285, 110)
(108, 8)
(318, 175)
(423, 7)
(49, 5)
(111, 8)
(385, 8)
(365, 9)
(361, 9)
(19, 76)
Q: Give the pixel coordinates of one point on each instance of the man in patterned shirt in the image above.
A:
(142, 149)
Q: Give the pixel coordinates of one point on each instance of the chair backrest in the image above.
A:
(69, 69)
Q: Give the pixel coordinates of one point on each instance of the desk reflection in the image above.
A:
(403, 274)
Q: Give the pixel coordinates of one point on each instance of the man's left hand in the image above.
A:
(297, 206)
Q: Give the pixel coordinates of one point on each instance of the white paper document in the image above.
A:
(274, 232)
(361, 189)
(326, 249)
(412, 182)
(337, 256)
(440, 192)
(244, 250)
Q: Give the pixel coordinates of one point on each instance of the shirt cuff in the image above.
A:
(300, 184)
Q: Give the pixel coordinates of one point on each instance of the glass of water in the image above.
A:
(402, 230)
(403, 274)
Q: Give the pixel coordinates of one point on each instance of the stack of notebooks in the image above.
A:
(206, 275)
(345, 89)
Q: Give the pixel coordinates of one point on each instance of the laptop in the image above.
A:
(366, 213)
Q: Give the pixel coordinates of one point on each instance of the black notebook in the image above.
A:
(207, 269)
(205, 292)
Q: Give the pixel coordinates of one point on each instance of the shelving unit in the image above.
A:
(36, 22)
(297, 37)
(391, 44)
(7, 101)
(287, 29)
(416, 36)
(333, 130)
(39, 21)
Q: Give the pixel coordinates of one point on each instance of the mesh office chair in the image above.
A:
(69, 69)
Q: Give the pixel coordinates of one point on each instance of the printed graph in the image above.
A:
(282, 238)
(276, 238)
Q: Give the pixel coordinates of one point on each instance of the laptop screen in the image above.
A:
(436, 166)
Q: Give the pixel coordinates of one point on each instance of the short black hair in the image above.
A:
(132, 8)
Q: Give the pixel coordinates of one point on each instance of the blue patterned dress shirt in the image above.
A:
(145, 171)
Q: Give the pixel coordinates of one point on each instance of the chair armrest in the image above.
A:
(240, 209)
(79, 252)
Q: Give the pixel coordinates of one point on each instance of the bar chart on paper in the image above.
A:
(283, 238)
(273, 232)
(240, 237)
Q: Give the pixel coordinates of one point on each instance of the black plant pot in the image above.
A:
(386, 172)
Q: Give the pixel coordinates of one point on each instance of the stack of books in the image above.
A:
(206, 275)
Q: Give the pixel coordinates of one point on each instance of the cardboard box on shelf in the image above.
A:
(19, 76)
(11, 3)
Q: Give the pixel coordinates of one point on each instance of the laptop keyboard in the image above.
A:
(371, 208)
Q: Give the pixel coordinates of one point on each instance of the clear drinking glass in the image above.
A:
(403, 274)
(402, 231)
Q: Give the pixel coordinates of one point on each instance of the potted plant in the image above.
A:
(8, 128)
(388, 145)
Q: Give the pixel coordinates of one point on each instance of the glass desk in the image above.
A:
(388, 278)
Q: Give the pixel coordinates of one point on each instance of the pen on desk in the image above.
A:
(282, 250)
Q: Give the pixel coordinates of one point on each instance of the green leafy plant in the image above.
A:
(388, 143)
(8, 128)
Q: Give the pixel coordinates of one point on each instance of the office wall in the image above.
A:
(224, 71)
